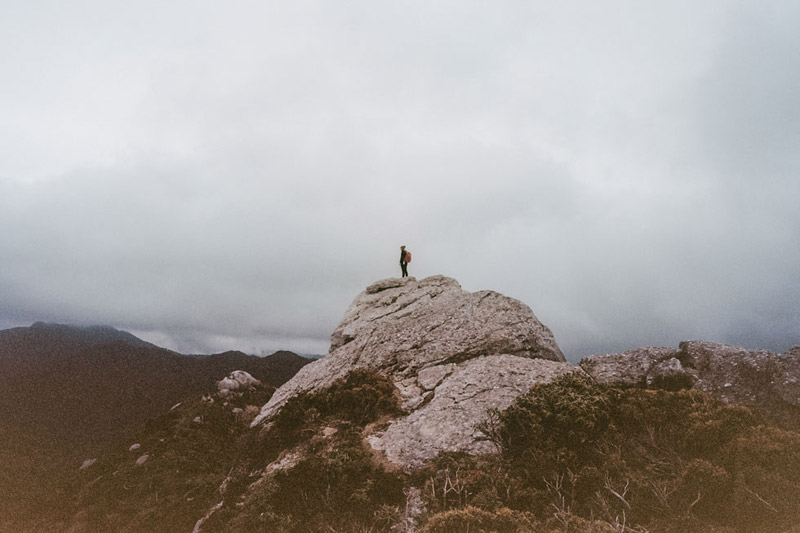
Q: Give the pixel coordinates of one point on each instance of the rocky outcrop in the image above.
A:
(237, 381)
(731, 373)
(460, 396)
(452, 355)
(627, 368)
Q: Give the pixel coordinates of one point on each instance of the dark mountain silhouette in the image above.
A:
(78, 388)
(25, 348)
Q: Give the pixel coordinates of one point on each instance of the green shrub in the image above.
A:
(575, 448)
(767, 484)
(569, 413)
(335, 484)
(361, 397)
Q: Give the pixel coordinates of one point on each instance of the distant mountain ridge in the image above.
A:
(24, 346)
(78, 387)
(92, 334)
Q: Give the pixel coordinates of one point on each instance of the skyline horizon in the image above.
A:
(158, 339)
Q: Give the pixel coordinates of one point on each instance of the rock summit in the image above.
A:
(452, 355)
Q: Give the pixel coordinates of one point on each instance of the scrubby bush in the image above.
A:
(361, 397)
(476, 520)
(456, 480)
(767, 484)
(653, 459)
(340, 486)
(334, 483)
(573, 456)
(557, 423)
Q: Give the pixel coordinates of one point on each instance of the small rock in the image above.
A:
(285, 461)
(670, 374)
(198, 420)
(134, 447)
(175, 406)
(329, 431)
(237, 410)
(87, 463)
(236, 381)
(142, 460)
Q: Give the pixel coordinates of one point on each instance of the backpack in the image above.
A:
(408, 256)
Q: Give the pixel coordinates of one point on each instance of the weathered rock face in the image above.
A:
(627, 368)
(238, 380)
(413, 324)
(733, 374)
(459, 396)
(452, 355)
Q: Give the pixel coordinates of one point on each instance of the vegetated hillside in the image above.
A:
(76, 391)
(572, 455)
(161, 477)
(66, 393)
(29, 477)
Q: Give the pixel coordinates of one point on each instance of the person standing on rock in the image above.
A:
(405, 257)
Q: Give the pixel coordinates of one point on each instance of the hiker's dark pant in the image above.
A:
(403, 268)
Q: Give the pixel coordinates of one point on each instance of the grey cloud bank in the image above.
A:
(219, 177)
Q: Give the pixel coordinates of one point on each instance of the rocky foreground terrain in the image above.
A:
(454, 356)
(451, 354)
(438, 409)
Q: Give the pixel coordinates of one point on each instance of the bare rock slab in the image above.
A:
(458, 402)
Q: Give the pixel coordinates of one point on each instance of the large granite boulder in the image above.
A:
(452, 355)
(731, 373)
(459, 396)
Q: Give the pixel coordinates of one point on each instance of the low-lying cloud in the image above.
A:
(233, 178)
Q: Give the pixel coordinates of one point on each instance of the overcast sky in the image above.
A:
(230, 175)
